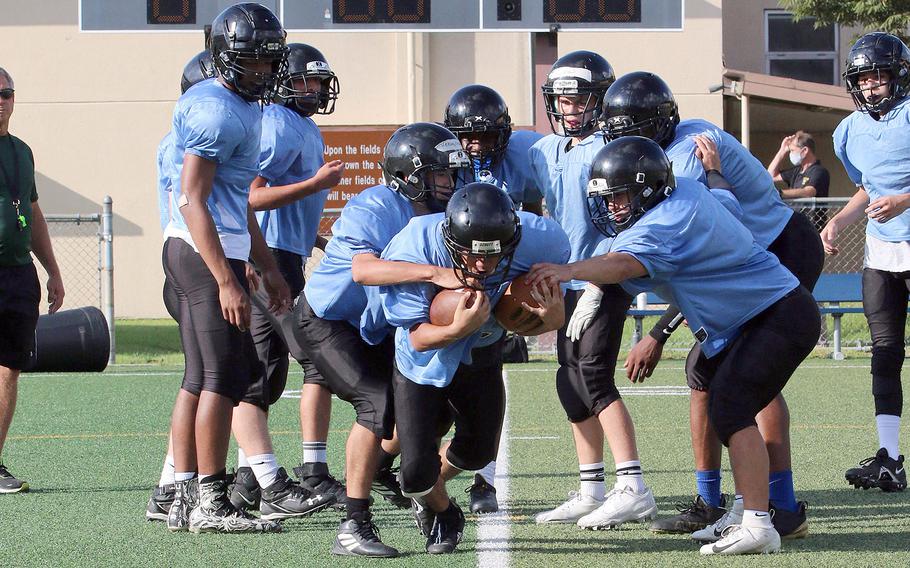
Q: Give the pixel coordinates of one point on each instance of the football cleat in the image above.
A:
(9, 483)
(423, 516)
(186, 494)
(738, 539)
(316, 478)
(483, 496)
(360, 537)
(447, 531)
(790, 524)
(285, 499)
(622, 505)
(715, 531)
(879, 471)
(576, 507)
(160, 503)
(385, 482)
(214, 513)
(693, 516)
(245, 491)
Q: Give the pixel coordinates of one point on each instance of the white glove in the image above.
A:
(584, 312)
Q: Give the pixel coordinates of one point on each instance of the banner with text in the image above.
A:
(360, 148)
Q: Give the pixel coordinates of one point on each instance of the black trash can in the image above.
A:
(72, 341)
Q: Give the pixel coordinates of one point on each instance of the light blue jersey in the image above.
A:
(407, 305)
(366, 225)
(291, 151)
(166, 172)
(876, 155)
(764, 212)
(216, 124)
(700, 258)
(563, 179)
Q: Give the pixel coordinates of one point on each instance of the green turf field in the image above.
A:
(91, 447)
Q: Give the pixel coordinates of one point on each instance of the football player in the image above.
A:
(345, 334)
(641, 104)
(753, 319)
(587, 346)
(210, 234)
(478, 115)
(288, 196)
(873, 145)
(455, 366)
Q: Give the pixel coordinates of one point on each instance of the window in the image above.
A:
(799, 51)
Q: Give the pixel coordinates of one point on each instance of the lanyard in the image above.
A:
(13, 184)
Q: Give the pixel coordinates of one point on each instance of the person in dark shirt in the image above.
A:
(807, 178)
(23, 230)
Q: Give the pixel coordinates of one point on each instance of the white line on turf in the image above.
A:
(494, 530)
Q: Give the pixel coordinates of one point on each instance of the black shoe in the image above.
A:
(215, 513)
(160, 503)
(316, 478)
(790, 525)
(9, 483)
(448, 528)
(879, 471)
(285, 499)
(483, 496)
(692, 517)
(244, 490)
(360, 537)
(385, 482)
(186, 497)
(424, 517)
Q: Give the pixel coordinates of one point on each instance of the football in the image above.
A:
(442, 309)
(511, 315)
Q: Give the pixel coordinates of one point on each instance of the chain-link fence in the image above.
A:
(83, 247)
(851, 243)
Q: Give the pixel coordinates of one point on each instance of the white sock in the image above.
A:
(314, 452)
(241, 459)
(182, 476)
(889, 427)
(592, 480)
(628, 474)
(265, 468)
(737, 504)
(167, 472)
(757, 519)
(489, 472)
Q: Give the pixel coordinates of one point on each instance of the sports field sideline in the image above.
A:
(91, 447)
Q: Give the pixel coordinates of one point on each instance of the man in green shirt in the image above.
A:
(23, 230)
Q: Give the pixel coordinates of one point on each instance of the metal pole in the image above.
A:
(744, 120)
(641, 303)
(107, 269)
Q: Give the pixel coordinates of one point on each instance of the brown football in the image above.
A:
(442, 309)
(511, 315)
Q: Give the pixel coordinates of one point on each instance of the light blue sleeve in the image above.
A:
(651, 245)
(406, 305)
(361, 230)
(728, 200)
(684, 161)
(279, 147)
(840, 150)
(210, 131)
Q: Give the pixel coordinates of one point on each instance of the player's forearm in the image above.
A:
(610, 268)
(774, 166)
(801, 192)
(854, 210)
(259, 250)
(272, 197)
(41, 242)
(666, 325)
(370, 270)
(426, 336)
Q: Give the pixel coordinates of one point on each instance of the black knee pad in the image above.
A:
(887, 361)
(572, 401)
(886, 380)
(728, 415)
(418, 476)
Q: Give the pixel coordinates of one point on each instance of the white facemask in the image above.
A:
(796, 158)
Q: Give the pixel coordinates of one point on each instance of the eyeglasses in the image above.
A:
(6, 94)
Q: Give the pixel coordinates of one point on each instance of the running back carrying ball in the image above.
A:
(511, 315)
(442, 309)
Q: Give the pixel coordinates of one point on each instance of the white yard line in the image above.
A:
(494, 530)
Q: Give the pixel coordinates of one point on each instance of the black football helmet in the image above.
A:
(640, 104)
(478, 109)
(242, 34)
(305, 61)
(581, 74)
(197, 69)
(873, 53)
(481, 223)
(633, 166)
(413, 155)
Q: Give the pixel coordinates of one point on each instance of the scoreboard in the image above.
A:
(394, 15)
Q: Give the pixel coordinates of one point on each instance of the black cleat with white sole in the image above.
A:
(359, 536)
(285, 499)
(879, 471)
(447, 531)
(160, 503)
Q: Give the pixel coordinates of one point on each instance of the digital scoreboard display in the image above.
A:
(393, 15)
